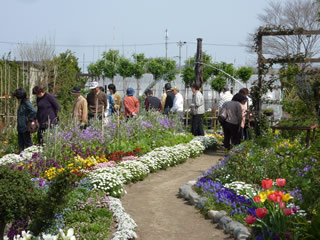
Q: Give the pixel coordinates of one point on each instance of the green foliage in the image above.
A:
(188, 73)
(244, 73)
(67, 71)
(139, 65)
(125, 68)
(221, 78)
(19, 198)
(162, 68)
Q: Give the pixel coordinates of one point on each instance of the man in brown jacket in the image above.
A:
(80, 107)
(97, 102)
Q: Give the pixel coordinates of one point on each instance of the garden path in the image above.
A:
(160, 214)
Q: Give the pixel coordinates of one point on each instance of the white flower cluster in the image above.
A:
(110, 180)
(137, 171)
(125, 224)
(27, 236)
(208, 141)
(241, 188)
(17, 158)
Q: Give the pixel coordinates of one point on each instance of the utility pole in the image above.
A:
(166, 42)
(180, 44)
(199, 68)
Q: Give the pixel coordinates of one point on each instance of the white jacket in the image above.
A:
(225, 97)
(177, 103)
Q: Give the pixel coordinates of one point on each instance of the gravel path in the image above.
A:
(160, 214)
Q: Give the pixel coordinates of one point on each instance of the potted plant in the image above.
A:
(268, 111)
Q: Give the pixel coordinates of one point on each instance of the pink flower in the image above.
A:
(281, 182)
(266, 183)
(287, 211)
(257, 199)
(250, 219)
(261, 212)
(282, 204)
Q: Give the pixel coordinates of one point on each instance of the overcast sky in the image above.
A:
(89, 27)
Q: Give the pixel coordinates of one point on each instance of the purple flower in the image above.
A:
(294, 209)
(288, 235)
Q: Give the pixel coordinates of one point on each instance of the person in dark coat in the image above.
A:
(152, 102)
(169, 99)
(47, 110)
(26, 112)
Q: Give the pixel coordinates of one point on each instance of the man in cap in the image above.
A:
(152, 102)
(225, 96)
(80, 107)
(97, 101)
(169, 99)
(177, 102)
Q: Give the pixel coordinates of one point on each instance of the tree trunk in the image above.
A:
(138, 87)
(2, 226)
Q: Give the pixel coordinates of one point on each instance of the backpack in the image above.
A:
(223, 115)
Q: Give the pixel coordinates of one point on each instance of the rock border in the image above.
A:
(234, 228)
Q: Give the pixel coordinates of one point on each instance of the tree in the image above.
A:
(125, 69)
(67, 78)
(161, 68)
(139, 68)
(188, 74)
(107, 66)
(291, 14)
(244, 74)
(221, 78)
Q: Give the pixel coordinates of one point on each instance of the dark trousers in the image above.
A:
(231, 133)
(93, 116)
(40, 135)
(196, 125)
(24, 141)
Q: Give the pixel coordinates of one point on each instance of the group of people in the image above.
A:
(98, 105)
(234, 111)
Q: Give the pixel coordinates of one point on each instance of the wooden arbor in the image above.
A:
(262, 61)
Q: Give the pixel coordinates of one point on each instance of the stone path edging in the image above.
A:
(236, 229)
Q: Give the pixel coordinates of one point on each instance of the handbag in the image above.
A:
(33, 126)
(223, 115)
(194, 110)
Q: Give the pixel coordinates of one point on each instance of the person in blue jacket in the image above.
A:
(26, 112)
(110, 102)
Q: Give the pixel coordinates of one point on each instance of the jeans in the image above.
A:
(24, 141)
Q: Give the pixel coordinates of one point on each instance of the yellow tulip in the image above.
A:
(263, 196)
(286, 197)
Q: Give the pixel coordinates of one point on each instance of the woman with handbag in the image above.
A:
(47, 111)
(197, 111)
(26, 113)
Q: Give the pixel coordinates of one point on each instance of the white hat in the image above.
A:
(93, 85)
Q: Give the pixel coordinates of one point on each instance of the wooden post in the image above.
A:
(214, 114)
(199, 68)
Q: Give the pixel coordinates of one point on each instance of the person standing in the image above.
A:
(177, 102)
(169, 99)
(97, 102)
(152, 102)
(225, 96)
(80, 108)
(197, 110)
(231, 126)
(116, 98)
(47, 111)
(131, 104)
(26, 112)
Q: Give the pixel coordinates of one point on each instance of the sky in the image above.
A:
(88, 28)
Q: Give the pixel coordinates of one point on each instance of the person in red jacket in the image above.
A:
(131, 104)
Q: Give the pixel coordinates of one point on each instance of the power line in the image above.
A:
(123, 45)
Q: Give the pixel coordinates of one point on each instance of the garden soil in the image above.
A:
(158, 211)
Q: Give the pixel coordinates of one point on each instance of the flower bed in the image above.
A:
(97, 181)
(283, 209)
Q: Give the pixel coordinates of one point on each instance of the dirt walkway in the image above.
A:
(160, 214)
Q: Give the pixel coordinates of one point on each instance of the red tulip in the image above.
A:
(257, 199)
(287, 211)
(272, 197)
(250, 219)
(282, 204)
(266, 183)
(261, 212)
(281, 182)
